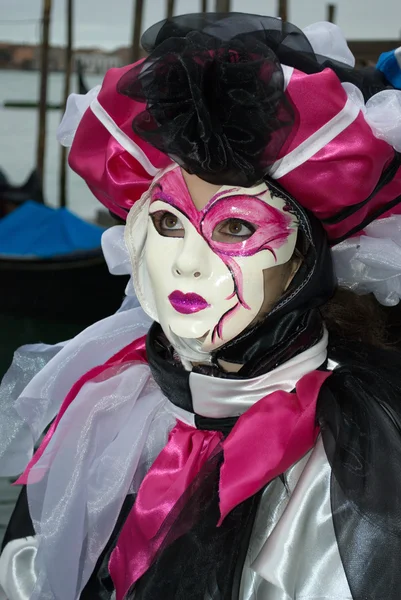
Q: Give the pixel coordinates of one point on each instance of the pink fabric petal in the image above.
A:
(266, 440)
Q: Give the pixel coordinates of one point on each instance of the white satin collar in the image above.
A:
(219, 398)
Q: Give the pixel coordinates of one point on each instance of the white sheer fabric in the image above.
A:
(77, 105)
(327, 39)
(33, 407)
(102, 448)
(112, 431)
(382, 112)
(372, 262)
(118, 261)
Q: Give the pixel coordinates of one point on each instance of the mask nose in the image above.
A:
(192, 259)
(195, 274)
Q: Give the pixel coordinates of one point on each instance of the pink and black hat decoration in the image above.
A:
(239, 98)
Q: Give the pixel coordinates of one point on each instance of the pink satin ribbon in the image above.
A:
(171, 474)
(131, 353)
(266, 440)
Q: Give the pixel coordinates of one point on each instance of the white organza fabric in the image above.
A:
(104, 444)
(382, 112)
(33, 406)
(372, 262)
(118, 261)
(77, 105)
(328, 40)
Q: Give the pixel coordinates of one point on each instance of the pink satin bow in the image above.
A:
(266, 440)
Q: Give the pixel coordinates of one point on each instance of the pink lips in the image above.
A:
(187, 304)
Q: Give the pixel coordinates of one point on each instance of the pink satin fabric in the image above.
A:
(343, 173)
(115, 177)
(171, 474)
(266, 440)
(347, 170)
(134, 352)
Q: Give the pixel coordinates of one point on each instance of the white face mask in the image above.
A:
(205, 268)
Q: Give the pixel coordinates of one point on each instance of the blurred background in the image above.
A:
(53, 279)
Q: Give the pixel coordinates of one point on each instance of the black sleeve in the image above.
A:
(359, 412)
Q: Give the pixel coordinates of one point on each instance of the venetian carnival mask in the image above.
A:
(201, 273)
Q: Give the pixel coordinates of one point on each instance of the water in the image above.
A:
(18, 131)
(18, 134)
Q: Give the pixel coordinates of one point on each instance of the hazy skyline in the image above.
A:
(99, 23)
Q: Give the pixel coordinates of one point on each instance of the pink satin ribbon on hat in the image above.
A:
(267, 439)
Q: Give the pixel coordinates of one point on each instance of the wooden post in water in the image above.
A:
(137, 30)
(331, 13)
(204, 6)
(223, 6)
(283, 10)
(44, 70)
(67, 81)
(170, 8)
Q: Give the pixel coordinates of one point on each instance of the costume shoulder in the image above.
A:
(359, 411)
(41, 377)
(82, 443)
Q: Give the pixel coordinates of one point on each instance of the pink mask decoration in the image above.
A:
(206, 286)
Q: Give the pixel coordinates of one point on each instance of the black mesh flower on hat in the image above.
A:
(215, 100)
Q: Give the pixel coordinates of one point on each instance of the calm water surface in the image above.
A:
(18, 132)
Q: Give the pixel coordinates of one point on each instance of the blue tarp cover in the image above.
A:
(37, 230)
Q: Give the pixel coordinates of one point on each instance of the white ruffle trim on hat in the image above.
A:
(118, 261)
(371, 263)
(382, 112)
(77, 105)
(328, 40)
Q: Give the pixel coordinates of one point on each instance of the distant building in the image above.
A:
(17, 56)
(97, 61)
(367, 52)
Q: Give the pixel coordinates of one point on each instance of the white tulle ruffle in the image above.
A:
(104, 444)
(382, 112)
(118, 261)
(371, 263)
(328, 40)
(28, 406)
(77, 105)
